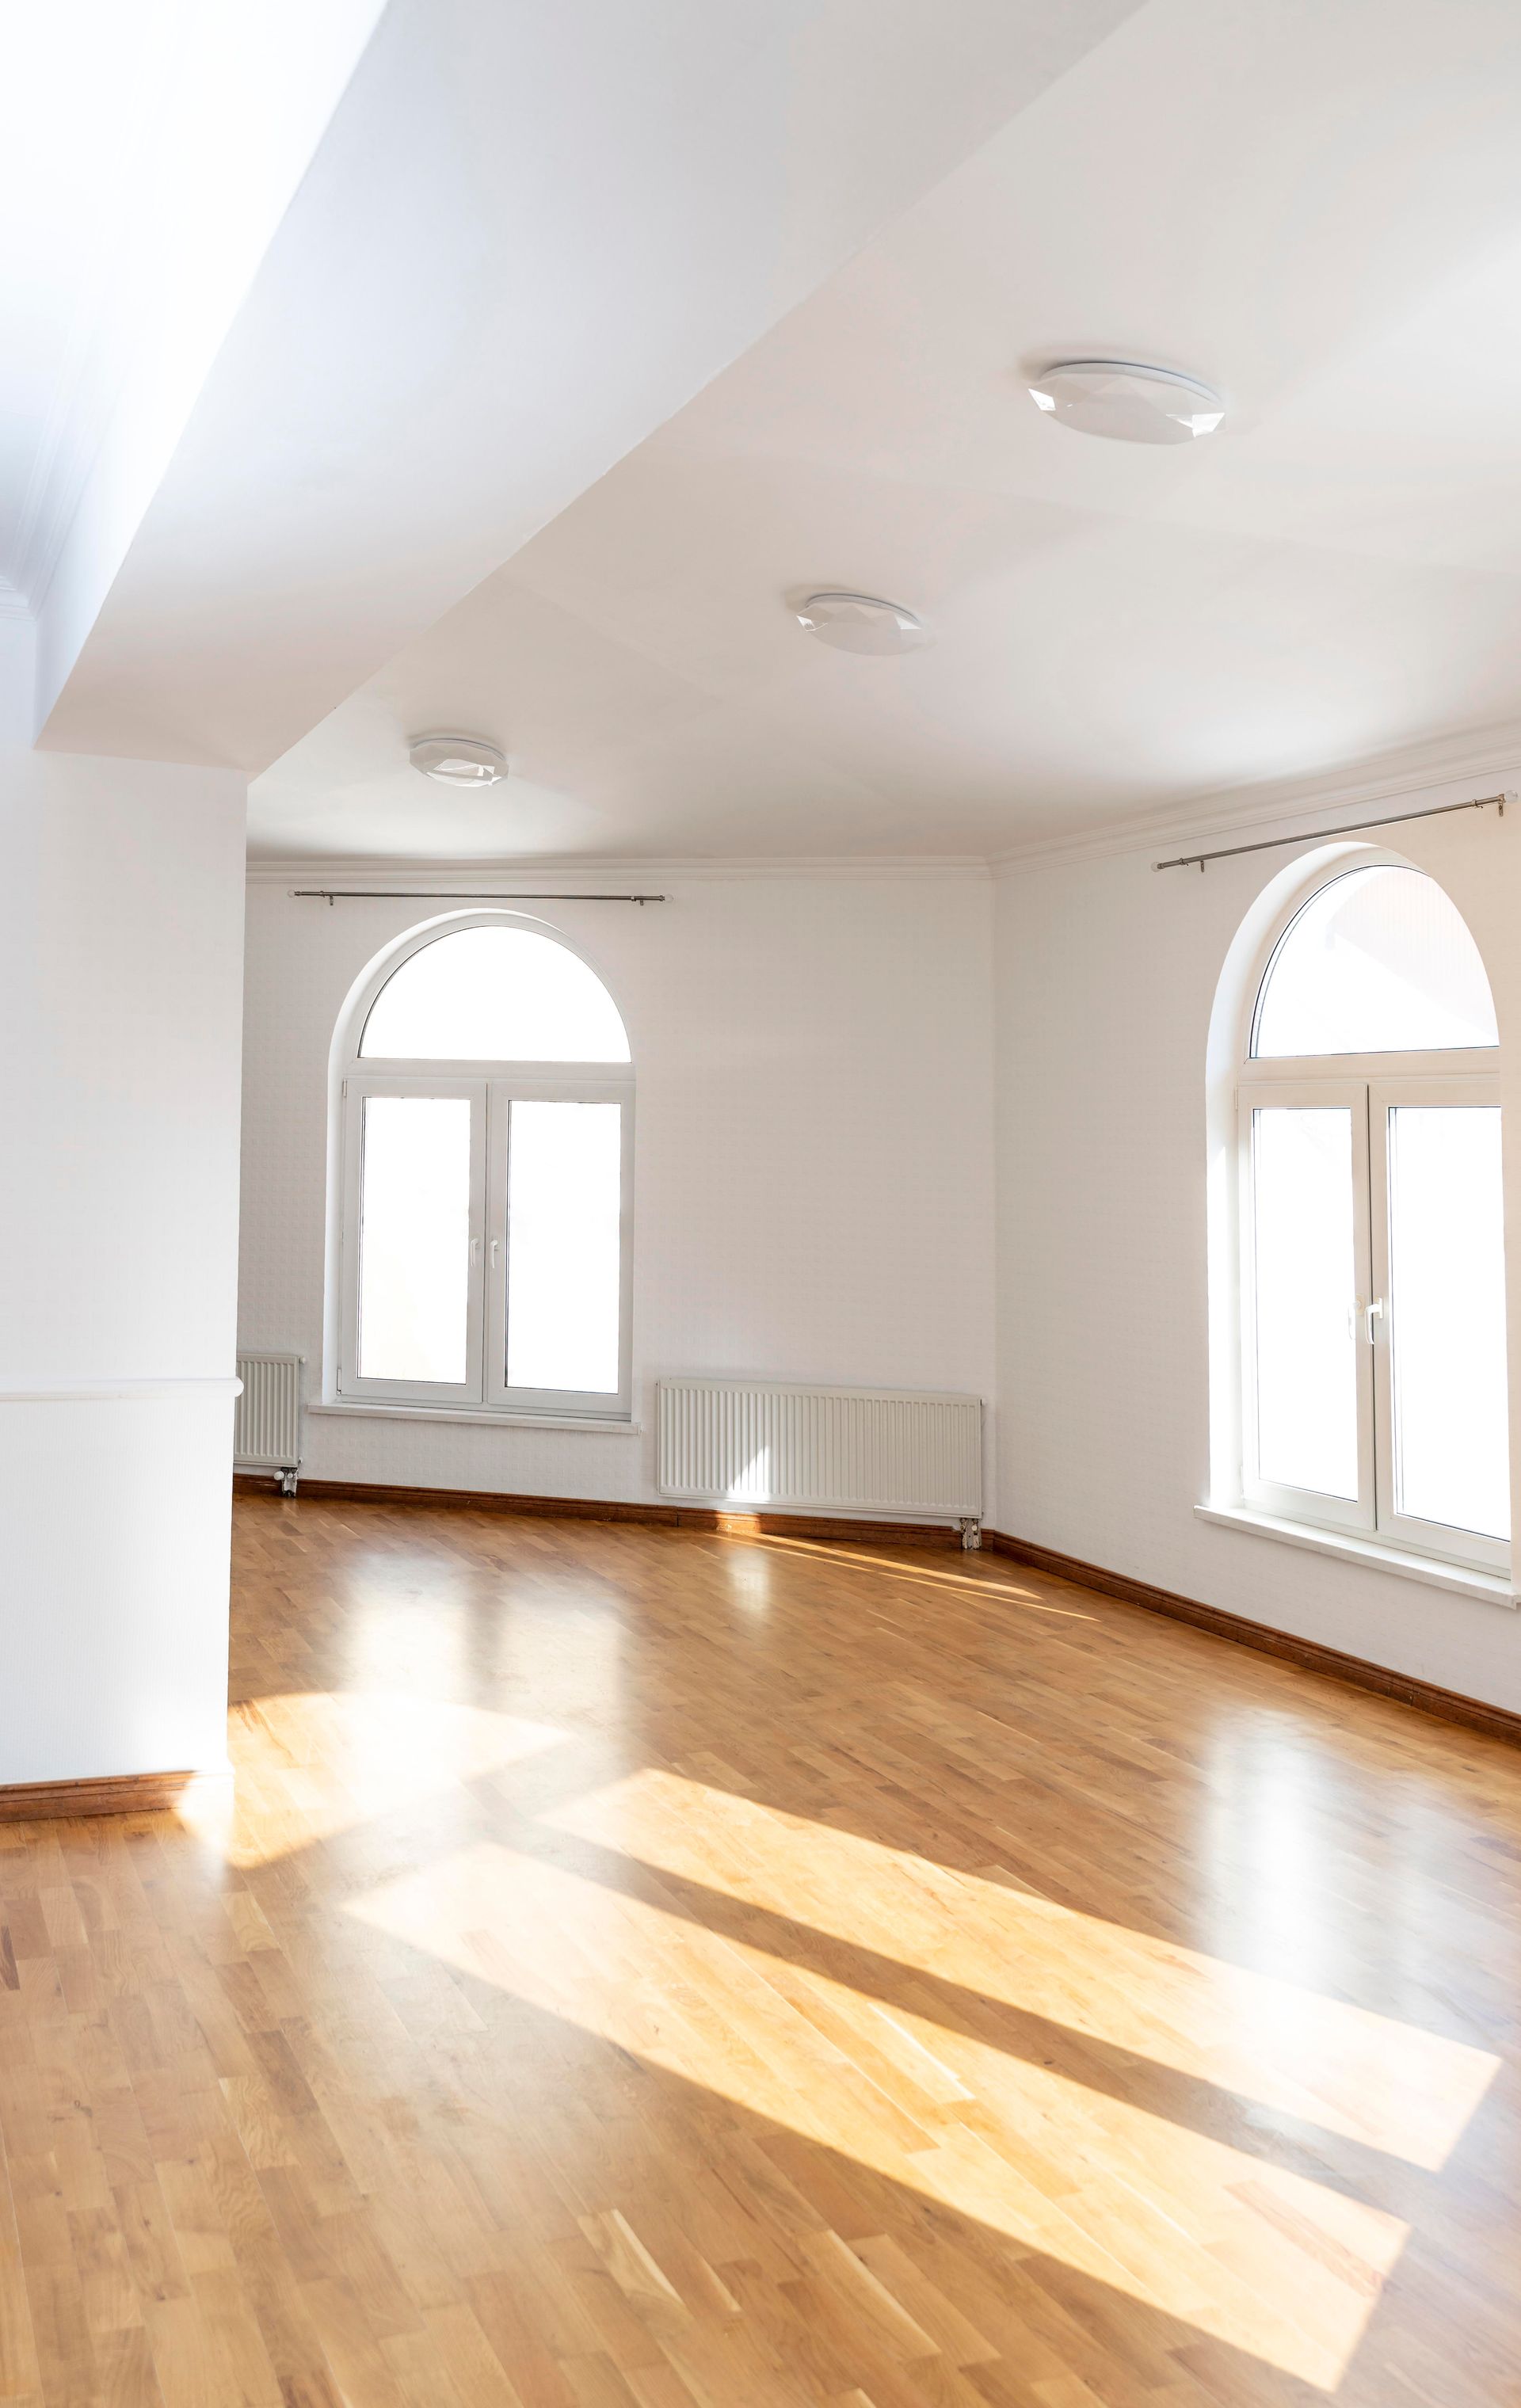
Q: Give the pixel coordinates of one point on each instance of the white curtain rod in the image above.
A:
(1352, 827)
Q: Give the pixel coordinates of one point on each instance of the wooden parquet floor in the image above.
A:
(648, 1970)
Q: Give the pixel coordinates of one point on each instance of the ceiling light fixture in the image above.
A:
(1132, 404)
(458, 760)
(858, 622)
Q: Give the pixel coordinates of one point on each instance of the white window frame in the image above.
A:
(357, 1090)
(491, 1087)
(1369, 1085)
(549, 1084)
(1385, 1094)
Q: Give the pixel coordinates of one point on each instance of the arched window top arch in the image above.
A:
(494, 994)
(1379, 960)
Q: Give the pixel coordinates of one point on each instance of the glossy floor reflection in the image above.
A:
(650, 1968)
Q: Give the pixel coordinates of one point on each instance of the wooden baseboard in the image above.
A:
(117, 1793)
(459, 1500)
(598, 1508)
(1447, 1705)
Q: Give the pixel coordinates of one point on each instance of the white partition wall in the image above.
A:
(120, 945)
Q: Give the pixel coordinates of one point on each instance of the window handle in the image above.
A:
(1373, 1319)
(495, 1251)
(474, 1251)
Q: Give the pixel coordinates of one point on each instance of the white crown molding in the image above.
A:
(12, 602)
(1488, 758)
(544, 876)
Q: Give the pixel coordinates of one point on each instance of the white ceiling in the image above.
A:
(149, 151)
(529, 234)
(1316, 205)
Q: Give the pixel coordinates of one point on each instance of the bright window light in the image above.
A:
(564, 1245)
(1447, 1317)
(1378, 961)
(1306, 1305)
(414, 1239)
(495, 995)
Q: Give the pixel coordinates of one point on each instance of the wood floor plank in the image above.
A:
(651, 1968)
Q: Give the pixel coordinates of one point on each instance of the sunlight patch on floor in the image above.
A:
(1218, 2239)
(889, 1567)
(1365, 2076)
(314, 1763)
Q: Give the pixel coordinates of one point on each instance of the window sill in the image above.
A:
(605, 1425)
(1494, 1588)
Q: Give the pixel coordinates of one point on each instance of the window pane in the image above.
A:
(1378, 962)
(414, 1237)
(1447, 1319)
(564, 1191)
(495, 995)
(1306, 1282)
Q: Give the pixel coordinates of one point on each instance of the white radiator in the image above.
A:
(266, 1433)
(855, 1450)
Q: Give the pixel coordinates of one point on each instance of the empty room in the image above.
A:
(760, 1383)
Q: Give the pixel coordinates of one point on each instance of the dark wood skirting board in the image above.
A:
(1473, 1714)
(116, 1793)
(597, 1508)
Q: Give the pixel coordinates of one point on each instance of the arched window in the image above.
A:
(1373, 1308)
(487, 1146)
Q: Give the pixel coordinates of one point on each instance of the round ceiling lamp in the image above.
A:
(459, 760)
(859, 623)
(1129, 403)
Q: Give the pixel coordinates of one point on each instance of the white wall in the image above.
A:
(813, 1172)
(121, 916)
(1107, 974)
(817, 1056)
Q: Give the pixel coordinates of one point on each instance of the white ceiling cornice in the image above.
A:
(539, 877)
(12, 601)
(1489, 759)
